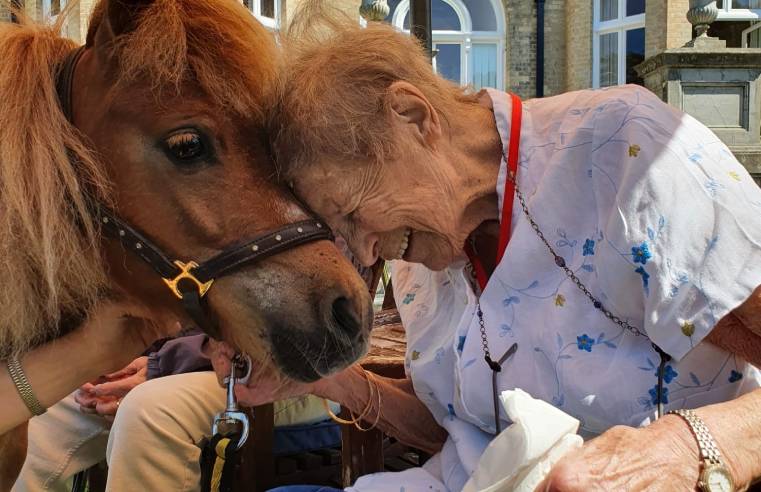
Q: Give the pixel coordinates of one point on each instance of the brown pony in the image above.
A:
(170, 103)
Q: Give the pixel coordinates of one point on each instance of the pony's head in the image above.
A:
(170, 102)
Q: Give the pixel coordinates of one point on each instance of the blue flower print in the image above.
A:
(510, 300)
(505, 330)
(589, 248)
(735, 376)
(461, 344)
(654, 395)
(439, 355)
(584, 342)
(641, 254)
(452, 413)
(409, 298)
(645, 279)
(668, 374)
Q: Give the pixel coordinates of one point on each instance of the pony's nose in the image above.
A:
(346, 319)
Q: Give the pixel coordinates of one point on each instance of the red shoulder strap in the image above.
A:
(512, 165)
(509, 195)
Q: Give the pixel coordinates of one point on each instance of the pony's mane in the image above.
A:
(51, 264)
(216, 44)
(48, 244)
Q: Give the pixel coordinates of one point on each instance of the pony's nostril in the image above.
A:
(345, 317)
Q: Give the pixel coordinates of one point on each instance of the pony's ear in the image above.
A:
(116, 17)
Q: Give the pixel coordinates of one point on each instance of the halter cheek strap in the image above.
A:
(189, 281)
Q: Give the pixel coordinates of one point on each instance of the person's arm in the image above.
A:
(179, 356)
(108, 340)
(664, 456)
(402, 414)
(666, 452)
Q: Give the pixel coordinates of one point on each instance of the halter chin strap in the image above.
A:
(188, 280)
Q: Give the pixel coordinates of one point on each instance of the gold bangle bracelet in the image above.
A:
(369, 377)
(357, 418)
(23, 387)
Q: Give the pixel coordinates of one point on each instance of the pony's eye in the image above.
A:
(186, 146)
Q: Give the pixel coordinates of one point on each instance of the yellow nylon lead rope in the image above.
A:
(219, 464)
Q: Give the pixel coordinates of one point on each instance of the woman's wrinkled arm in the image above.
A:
(402, 415)
(664, 456)
(665, 453)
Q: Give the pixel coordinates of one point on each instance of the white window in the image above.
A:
(266, 11)
(739, 10)
(736, 15)
(51, 8)
(618, 44)
(468, 39)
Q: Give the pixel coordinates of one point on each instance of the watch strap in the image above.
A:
(709, 451)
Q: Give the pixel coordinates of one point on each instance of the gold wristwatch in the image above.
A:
(714, 475)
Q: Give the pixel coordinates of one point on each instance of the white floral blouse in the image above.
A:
(657, 218)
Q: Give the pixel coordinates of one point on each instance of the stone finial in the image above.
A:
(701, 14)
(374, 10)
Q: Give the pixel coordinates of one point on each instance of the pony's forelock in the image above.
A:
(217, 45)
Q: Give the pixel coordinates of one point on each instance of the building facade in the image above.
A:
(586, 44)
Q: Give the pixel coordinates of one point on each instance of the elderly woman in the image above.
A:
(597, 249)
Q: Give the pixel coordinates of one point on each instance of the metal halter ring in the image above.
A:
(185, 273)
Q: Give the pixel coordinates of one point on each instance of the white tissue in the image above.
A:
(521, 456)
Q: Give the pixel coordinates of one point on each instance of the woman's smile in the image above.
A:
(393, 245)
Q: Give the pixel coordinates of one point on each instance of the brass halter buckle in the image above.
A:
(186, 273)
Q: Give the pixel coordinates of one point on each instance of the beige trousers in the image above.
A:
(152, 444)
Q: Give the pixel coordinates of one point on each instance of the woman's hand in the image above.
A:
(661, 457)
(103, 396)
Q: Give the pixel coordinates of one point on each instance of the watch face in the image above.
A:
(716, 478)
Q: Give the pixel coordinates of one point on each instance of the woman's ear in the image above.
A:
(412, 112)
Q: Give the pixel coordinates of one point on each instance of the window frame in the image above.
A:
(729, 13)
(272, 23)
(47, 7)
(466, 37)
(619, 25)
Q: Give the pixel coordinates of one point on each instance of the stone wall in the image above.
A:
(350, 7)
(85, 9)
(666, 25)
(578, 44)
(5, 13)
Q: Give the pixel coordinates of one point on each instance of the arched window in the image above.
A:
(468, 39)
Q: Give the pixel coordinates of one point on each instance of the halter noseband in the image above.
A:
(188, 280)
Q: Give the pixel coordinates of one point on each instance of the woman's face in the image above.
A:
(404, 209)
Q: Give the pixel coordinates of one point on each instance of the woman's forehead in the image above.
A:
(331, 186)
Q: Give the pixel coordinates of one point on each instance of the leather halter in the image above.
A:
(188, 280)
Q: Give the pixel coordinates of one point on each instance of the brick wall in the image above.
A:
(578, 44)
(520, 61)
(555, 57)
